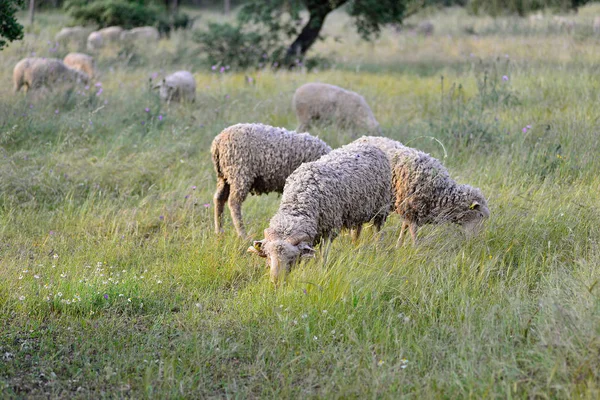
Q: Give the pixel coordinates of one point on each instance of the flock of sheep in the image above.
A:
(323, 190)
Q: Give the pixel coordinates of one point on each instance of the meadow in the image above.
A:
(113, 284)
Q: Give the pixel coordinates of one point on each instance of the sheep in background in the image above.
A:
(346, 188)
(148, 34)
(179, 86)
(315, 102)
(100, 38)
(426, 194)
(81, 62)
(75, 34)
(256, 158)
(33, 73)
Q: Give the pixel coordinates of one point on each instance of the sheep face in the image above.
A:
(281, 255)
(475, 211)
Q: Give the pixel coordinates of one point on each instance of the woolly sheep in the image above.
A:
(179, 86)
(343, 189)
(76, 34)
(256, 158)
(33, 73)
(98, 39)
(147, 34)
(320, 101)
(426, 194)
(81, 62)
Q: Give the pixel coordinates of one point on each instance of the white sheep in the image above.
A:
(344, 189)
(426, 194)
(33, 73)
(315, 102)
(179, 86)
(100, 38)
(81, 62)
(74, 34)
(256, 158)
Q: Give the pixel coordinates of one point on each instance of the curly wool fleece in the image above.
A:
(343, 189)
(257, 158)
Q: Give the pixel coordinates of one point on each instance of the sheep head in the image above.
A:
(473, 212)
(281, 254)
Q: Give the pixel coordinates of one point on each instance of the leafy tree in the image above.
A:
(282, 18)
(10, 29)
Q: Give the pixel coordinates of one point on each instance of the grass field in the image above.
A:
(114, 285)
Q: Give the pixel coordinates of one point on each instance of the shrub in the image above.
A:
(225, 44)
(126, 14)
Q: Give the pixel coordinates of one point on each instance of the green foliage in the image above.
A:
(127, 14)
(10, 29)
(229, 45)
(521, 7)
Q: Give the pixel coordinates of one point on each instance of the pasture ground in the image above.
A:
(114, 285)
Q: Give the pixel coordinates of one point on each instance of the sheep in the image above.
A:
(256, 158)
(148, 34)
(344, 189)
(34, 73)
(76, 34)
(98, 39)
(321, 101)
(81, 62)
(426, 194)
(179, 86)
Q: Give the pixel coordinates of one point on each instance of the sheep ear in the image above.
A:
(306, 251)
(256, 248)
(475, 206)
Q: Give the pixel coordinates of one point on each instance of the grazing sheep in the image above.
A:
(75, 34)
(425, 194)
(81, 62)
(148, 34)
(343, 189)
(33, 73)
(256, 158)
(320, 101)
(179, 86)
(100, 38)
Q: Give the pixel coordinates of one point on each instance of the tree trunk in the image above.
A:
(318, 11)
(31, 11)
(175, 6)
(227, 7)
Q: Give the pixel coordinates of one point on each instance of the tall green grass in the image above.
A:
(114, 285)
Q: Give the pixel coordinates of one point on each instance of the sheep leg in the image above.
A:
(413, 232)
(355, 233)
(402, 232)
(220, 198)
(236, 199)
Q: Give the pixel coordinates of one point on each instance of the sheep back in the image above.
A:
(346, 188)
(261, 156)
(321, 101)
(81, 62)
